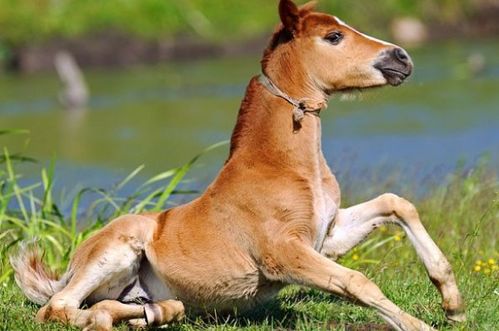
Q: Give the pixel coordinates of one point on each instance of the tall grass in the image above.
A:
(28, 210)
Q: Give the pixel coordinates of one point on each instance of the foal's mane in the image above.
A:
(281, 36)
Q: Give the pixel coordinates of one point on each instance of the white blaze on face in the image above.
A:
(376, 74)
(356, 72)
(340, 22)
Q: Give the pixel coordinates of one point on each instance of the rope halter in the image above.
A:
(301, 107)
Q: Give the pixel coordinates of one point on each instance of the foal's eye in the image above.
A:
(334, 37)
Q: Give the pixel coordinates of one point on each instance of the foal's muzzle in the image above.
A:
(395, 65)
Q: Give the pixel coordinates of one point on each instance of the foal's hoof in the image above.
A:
(455, 312)
(100, 320)
(41, 316)
(137, 323)
(456, 316)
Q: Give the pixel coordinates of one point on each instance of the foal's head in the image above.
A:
(331, 55)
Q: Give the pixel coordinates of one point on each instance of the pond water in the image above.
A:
(161, 116)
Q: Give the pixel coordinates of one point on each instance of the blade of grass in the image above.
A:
(179, 175)
(128, 178)
(13, 131)
(12, 177)
(48, 181)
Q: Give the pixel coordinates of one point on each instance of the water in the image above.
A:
(162, 116)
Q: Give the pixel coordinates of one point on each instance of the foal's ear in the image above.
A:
(290, 15)
(308, 7)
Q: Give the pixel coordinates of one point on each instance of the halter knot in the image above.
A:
(300, 107)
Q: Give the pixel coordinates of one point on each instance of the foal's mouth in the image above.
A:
(393, 76)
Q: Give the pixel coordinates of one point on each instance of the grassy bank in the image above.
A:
(461, 215)
(24, 22)
(126, 33)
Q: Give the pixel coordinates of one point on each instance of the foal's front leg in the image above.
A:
(299, 263)
(353, 224)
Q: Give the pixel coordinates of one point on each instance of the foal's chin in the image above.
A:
(388, 81)
(390, 78)
(394, 78)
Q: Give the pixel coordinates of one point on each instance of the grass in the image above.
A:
(24, 21)
(461, 215)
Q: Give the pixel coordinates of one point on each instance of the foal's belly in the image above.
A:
(221, 277)
(224, 292)
(236, 295)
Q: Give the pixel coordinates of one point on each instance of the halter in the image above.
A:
(300, 107)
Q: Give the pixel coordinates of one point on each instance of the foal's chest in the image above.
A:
(325, 209)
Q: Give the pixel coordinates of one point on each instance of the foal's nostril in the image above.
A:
(401, 55)
(395, 65)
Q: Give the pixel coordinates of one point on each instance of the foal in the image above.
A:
(272, 216)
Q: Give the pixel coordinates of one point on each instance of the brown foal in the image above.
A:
(272, 216)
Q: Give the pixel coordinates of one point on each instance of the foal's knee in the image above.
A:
(399, 207)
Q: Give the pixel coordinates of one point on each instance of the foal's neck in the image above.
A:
(265, 133)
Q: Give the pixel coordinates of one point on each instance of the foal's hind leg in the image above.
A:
(158, 313)
(101, 268)
(353, 224)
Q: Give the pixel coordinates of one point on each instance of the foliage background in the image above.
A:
(26, 21)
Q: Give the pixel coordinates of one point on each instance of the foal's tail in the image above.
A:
(36, 281)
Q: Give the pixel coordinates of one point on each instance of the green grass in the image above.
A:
(25, 21)
(461, 215)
